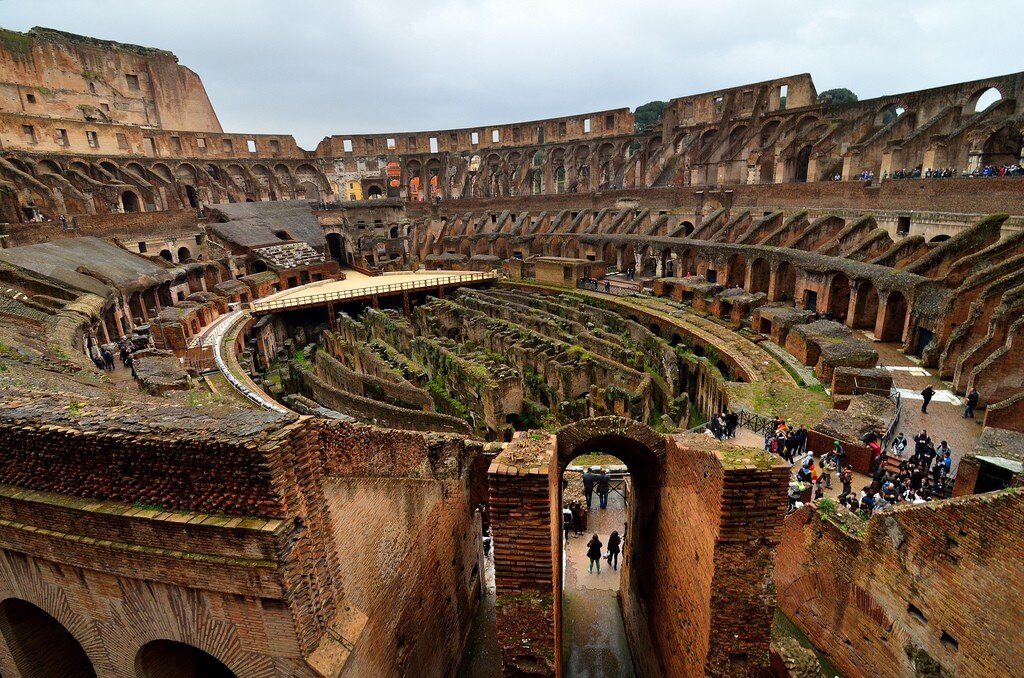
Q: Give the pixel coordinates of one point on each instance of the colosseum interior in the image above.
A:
(281, 412)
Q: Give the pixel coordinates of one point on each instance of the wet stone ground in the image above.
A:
(594, 639)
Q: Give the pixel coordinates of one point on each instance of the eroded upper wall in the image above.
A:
(744, 101)
(582, 127)
(62, 75)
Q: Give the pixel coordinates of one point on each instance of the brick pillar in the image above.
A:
(520, 511)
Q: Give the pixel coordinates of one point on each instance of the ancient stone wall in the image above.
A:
(925, 587)
(373, 411)
(62, 75)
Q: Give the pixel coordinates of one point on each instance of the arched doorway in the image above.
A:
(193, 197)
(39, 644)
(737, 271)
(803, 160)
(1003, 147)
(641, 450)
(308, 191)
(785, 282)
(184, 254)
(760, 276)
(166, 255)
(171, 659)
(334, 248)
(895, 318)
(865, 311)
(130, 202)
(839, 296)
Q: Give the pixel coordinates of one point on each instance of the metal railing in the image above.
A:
(361, 292)
(755, 422)
(890, 432)
(609, 287)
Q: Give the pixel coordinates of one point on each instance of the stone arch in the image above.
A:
(982, 99)
(687, 227)
(785, 282)
(130, 202)
(173, 659)
(865, 310)
(894, 319)
(804, 124)
(163, 171)
(110, 167)
(40, 645)
(760, 276)
(839, 291)
(737, 271)
(307, 190)
(50, 166)
(888, 112)
(1003, 146)
(737, 133)
(184, 254)
(186, 172)
(642, 450)
(768, 131)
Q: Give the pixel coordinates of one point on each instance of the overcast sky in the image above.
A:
(316, 67)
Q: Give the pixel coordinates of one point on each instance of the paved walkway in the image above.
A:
(594, 639)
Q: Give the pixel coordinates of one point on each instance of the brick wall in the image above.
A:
(181, 472)
(520, 512)
(710, 603)
(937, 582)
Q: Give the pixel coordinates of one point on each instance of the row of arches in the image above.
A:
(41, 647)
(59, 186)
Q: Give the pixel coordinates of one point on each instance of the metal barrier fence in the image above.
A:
(361, 292)
(890, 432)
(609, 287)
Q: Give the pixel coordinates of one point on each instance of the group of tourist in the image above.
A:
(724, 425)
(594, 553)
(1011, 170)
(597, 478)
(917, 479)
(104, 360)
(785, 440)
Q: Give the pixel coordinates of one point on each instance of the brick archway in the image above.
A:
(638, 442)
(642, 449)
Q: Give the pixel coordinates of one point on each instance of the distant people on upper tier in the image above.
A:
(990, 170)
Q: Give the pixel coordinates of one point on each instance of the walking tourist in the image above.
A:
(594, 553)
(602, 487)
(927, 394)
(614, 543)
(972, 402)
